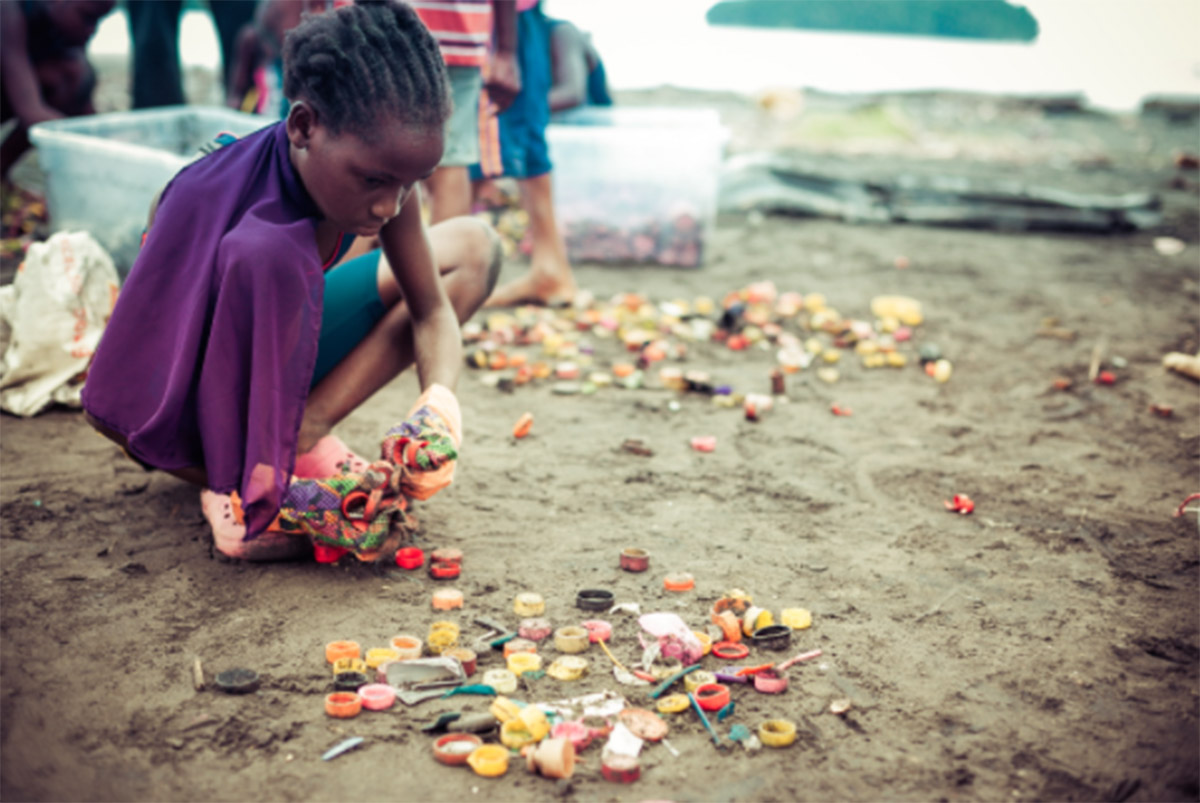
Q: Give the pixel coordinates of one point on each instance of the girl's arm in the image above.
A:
(437, 340)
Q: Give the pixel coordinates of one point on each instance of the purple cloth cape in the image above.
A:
(209, 354)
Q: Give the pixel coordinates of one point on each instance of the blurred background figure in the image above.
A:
(255, 79)
(45, 71)
(578, 77)
(513, 144)
(463, 30)
(154, 30)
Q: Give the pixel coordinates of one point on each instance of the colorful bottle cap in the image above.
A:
(410, 557)
(568, 667)
(712, 696)
(777, 732)
(521, 662)
(342, 649)
(444, 570)
(377, 655)
(455, 748)
(634, 559)
(598, 630)
(489, 760)
(679, 581)
(571, 639)
(349, 665)
(699, 678)
(465, 657)
(769, 682)
(441, 640)
(796, 618)
(730, 651)
(447, 554)
(407, 647)
(620, 768)
(518, 645)
(528, 603)
(343, 704)
(773, 637)
(377, 696)
(350, 681)
(447, 599)
(503, 681)
(534, 629)
(673, 704)
(594, 599)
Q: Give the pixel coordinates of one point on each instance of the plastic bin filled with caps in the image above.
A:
(637, 184)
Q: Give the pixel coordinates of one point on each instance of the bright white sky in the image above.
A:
(1114, 51)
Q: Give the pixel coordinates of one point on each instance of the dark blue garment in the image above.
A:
(523, 149)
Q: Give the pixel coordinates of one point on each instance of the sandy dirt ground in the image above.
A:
(1045, 647)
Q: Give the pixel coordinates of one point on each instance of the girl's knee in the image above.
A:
(485, 253)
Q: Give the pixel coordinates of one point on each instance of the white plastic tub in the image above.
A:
(103, 171)
(637, 184)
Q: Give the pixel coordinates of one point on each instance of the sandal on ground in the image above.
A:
(224, 514)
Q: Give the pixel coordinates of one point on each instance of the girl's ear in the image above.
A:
(301, 122)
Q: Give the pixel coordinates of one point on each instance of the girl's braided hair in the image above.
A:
(364, 65)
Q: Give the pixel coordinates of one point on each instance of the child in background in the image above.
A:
(463, 29)
(44, 69)
(233, 351)
(578, 76)
(514, 144)
(256, 76)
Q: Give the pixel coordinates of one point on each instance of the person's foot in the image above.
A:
(224, 514)
(535, 289)
(328, 458)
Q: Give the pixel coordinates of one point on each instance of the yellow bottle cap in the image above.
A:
(442, 640)
(699, 678)
(673, 704)
(796, 618)
(529, 604)
(378, 655)
(777, 732)
(503, 681)
(349, 665)
(568, 667)
(521, 662)
(489, 760)
(503, 708)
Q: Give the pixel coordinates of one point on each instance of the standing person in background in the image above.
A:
(463, 29)
(514, 144)
(578, 73)
(44, 69)
(154, 29)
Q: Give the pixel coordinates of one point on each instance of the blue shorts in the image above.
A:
(514, 144)
(352, 308)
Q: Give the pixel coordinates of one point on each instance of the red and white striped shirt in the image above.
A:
(462, 28)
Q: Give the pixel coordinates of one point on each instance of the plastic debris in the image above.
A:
(342, 747)
(960, 504)
(675, 639)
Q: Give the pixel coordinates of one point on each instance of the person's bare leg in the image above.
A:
(549, 280)
(450, 188)
(467, 253)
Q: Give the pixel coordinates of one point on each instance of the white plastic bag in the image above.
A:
(53, 315)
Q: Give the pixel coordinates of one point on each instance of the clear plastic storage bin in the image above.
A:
(636, 184)
(103, 171)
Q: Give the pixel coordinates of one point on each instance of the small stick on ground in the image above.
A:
(198, 675)
(1097, 355)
